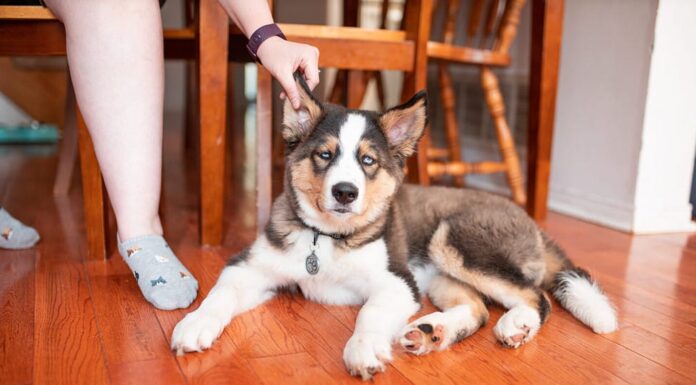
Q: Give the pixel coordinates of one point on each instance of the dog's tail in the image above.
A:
(577, 291)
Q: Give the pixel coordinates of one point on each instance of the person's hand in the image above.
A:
(281, 58)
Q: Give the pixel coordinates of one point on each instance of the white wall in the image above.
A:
(618, 97)
(669, 128)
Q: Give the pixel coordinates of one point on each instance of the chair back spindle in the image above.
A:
(491, 24)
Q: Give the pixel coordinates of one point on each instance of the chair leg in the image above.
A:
(496, 106)
(213, 36)
(451, 127)
(417, 163)
(381, 93)
(416, 23)
(68, 145)
(338, 89)
(264, 148)
(546, 37)
(94, 196)
(356, 88)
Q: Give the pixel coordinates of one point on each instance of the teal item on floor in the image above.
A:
(29, 133)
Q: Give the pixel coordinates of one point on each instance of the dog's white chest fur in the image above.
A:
(342, 275)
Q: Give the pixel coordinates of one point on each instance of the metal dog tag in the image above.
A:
(312, 264)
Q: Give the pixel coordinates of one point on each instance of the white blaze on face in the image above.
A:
(346, 167)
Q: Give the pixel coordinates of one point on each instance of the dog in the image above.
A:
(346, 231)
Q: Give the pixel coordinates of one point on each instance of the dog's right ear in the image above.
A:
(297, 124)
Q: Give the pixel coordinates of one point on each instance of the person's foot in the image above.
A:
(163, 279)
(15, 234)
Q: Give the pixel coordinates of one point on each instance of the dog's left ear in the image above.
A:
(297, 124)
(404, 125)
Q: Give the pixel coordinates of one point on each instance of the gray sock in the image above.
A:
(15, 234)
(163, 279)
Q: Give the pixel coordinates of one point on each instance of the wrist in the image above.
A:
(260, 36)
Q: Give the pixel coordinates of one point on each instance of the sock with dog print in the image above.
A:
(15, 234)
(163, 279)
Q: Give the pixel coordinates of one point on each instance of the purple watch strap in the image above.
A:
(260, 35)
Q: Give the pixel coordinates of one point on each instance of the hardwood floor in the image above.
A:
(67, 321)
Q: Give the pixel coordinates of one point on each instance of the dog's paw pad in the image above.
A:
(517, 327)
(422, 337)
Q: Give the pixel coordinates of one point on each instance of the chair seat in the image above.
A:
(466, 55)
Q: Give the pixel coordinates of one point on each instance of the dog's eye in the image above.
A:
(368, 160)
(326, 155)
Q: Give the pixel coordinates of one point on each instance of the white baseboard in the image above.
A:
(592, 208)
(664, 220)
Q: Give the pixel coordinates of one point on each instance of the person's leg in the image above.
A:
(15, 234)
(116, 63)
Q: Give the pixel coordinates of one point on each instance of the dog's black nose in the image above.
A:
(344, 192)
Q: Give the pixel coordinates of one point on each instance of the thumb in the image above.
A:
(290, 88)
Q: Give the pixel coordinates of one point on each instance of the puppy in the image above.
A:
(346, 231)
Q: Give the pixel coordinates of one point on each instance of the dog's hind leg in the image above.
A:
(528, 305)
(462, 313)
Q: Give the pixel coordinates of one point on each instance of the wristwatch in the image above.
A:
(260, 35)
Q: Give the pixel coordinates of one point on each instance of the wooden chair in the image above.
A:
(353, 49)
(490, 31)
(34, 31)
(340, 46)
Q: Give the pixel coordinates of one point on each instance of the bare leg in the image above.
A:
(117, 67)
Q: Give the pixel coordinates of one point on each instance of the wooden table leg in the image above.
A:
(93, 195)
(264, 148)
(213, 37)
(547, 25)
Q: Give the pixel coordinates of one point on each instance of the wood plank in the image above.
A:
(627, 364)
(37, 38)
(362, 55)
(323, 337)
(67, 347)
(257, 333)
(298, 368)
(164, 371)
(24, 12)
(128, 325)
(16, 315)
(66, 344)
(657, 349)
(296, 31)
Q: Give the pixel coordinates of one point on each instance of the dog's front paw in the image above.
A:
(196, 332)
(366, 354)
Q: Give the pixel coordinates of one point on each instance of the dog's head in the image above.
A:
(344, 166)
